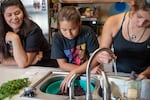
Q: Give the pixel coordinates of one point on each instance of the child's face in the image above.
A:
(69, 29)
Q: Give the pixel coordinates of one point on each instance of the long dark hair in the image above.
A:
(4, 27)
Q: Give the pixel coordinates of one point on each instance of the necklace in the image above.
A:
(133, 37)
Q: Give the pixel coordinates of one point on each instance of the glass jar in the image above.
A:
(133, 90)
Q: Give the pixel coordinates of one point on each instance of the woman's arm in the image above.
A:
(144, 74)
(106, 41)
(11, 62)
(8, 62)
(106, 36)
(22, 58)
(110, 29)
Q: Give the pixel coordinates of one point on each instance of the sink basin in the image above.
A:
(48, 87)
(52, 86)
(121, 84)
(117, 84)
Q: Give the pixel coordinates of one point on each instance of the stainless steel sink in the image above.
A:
(117, 84)
(56, 76)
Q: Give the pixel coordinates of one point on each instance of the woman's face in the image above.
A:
(69, 29)
(13, 16)
(142, 18)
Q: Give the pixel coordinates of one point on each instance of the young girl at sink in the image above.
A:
(73, 43)
(129, 33)
(22, 42)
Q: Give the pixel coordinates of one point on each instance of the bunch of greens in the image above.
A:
(11, 88)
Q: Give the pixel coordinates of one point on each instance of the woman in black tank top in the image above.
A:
(129, 34)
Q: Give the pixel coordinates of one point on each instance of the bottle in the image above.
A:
(43, 5)
(133, 89)
(36, 5)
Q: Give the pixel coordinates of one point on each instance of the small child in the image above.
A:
(73, 44)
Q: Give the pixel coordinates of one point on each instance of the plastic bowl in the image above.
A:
(54, 88)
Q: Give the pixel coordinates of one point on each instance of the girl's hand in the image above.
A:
(97, 69)
(64, 84)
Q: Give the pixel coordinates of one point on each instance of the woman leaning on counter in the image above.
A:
(21, 40)
(129, 33)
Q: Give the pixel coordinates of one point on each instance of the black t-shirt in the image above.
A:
(75, 50)
(34, 41)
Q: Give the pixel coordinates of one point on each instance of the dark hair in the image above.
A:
(4, 28)
(69, 13)
(142, 4)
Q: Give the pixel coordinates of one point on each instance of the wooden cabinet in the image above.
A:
(92, 1)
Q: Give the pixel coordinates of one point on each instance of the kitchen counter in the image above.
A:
(34, 73)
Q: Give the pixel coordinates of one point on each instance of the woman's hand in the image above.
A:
(38, 57)
(140, 77)
(105, 57)
(144, 74)
(10, 36)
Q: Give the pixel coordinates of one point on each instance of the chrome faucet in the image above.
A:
(71, 86)
(106, 86)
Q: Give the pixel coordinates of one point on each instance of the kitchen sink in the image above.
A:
(52, 85)
(118, 84)
(43, 92)
(121, 87)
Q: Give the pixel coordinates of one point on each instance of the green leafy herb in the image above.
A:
(11, 88)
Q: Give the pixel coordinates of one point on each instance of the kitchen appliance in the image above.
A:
(38, 11)
(91, 22)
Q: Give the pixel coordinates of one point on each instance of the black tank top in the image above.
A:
(131, 56)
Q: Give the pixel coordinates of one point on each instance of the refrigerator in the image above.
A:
(38, 11)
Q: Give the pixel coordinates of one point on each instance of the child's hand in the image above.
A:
(97, 70)
(64, 84)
